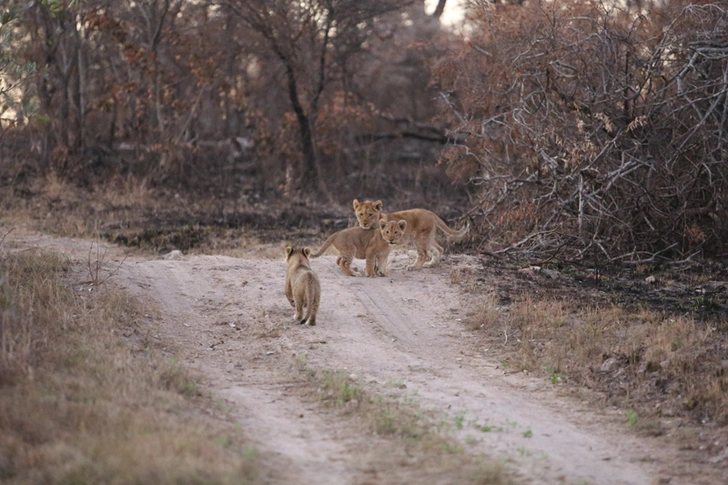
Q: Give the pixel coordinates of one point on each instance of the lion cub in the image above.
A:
(370, 244)
(422, 225)
(302, 285)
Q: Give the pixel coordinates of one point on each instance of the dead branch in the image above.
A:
(524, 241)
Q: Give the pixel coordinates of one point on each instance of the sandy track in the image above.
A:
(227, 318)
(399, 331)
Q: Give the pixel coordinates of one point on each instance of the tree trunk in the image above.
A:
(439, 9)
(309, 171)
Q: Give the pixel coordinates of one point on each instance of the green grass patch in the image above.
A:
(404, 432)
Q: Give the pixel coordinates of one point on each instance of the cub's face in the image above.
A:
(392, 231)
(367, 213)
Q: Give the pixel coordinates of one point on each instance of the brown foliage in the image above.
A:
(156, 89)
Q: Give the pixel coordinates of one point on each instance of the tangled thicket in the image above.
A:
(593, 132)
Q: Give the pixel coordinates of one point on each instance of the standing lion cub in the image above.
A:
(373, 245)
(422, 226)
(302, 285)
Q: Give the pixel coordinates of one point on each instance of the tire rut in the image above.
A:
(447, 382)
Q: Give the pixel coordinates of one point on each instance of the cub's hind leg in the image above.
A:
(436, 252)
(298, 316)
(422, 255)
(312, 309)
(344, 263)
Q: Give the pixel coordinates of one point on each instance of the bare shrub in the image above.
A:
(590, 132)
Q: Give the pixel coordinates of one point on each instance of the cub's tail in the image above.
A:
(323, 248)
(452, 232)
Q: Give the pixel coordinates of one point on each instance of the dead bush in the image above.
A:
(592, 131)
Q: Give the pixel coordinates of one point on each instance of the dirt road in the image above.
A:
(228, 318)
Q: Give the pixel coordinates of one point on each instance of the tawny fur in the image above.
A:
(303, 289)
(373, 245)
(422, 226)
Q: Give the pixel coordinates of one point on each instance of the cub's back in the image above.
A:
(418, 220)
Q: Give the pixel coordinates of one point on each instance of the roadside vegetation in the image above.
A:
(86, 396)
(654, 349)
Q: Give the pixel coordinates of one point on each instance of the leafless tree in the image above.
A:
(308, 39)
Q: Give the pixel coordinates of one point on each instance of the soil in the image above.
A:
(227, 318)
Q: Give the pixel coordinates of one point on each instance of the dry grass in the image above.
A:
(656, 363)
(488, 313)
(84, 397)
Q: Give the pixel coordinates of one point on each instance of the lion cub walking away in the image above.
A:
(302, 285)
(422, 225)
(374, 245)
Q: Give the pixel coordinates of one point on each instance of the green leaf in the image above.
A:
(7, 16)
(45, 119)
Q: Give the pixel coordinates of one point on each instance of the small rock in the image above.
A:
(608, 364)
(651, 279)
(554, 275)
(172, 255)
(717, 459)
(530, 271)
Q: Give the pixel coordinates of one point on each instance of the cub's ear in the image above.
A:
(356, 204)
(402, 224)
(289, 250)
(307, 251)
(382, 223)
(378, 205)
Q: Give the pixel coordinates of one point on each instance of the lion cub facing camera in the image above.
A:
(302, 285)
(421, 227)
(374, 245)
